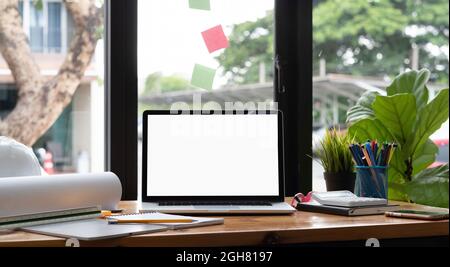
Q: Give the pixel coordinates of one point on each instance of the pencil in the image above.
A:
(115, 221)
(369, 163)
(366, 156)
(393, 146)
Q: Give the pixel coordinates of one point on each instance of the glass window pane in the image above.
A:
(68, 133)
(21, 8)
(54, 27)
(36, 28)
(224, 53)
(362, 45)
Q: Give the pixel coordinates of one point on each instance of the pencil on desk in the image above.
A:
(115, 221)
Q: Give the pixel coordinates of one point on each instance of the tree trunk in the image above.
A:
(41, 102)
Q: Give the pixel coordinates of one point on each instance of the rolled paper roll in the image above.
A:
(38, 194)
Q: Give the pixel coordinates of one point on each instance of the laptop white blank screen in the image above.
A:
(212, 155)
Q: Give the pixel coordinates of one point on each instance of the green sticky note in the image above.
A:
(203, 77)
(200, 4)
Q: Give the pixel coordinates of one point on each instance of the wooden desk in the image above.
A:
(300, 227)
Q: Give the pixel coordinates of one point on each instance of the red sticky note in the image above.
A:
(215, 39)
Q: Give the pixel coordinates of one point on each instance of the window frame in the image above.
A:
(121, 94)
(293, 56)
(293, 86)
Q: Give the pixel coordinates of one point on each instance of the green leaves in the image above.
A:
(430, 187)
(425, 157)
(397, 113)
(412, 82)
(157, 83)
(334, 154)
(430, 120)
(38, 4)
(365, 28)
(370, 129)
(406, 117)
(251, 43)
(363, 108)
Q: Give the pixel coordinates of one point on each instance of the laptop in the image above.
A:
(221, 162)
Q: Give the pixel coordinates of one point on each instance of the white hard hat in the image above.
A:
(17, 159)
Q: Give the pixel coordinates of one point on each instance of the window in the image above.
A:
(66, 127)
(293, 23)
(48, 25)
(197, 58)
(54, 36)
(222, 54)
(36, 28)
(362, 45)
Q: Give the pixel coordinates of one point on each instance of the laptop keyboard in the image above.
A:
(214, 203)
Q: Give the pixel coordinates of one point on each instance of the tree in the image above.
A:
(41, 101)
(157, 83)
(251, 43)
(357, 37)
(376, 37)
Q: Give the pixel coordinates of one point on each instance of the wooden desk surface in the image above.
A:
(300, 227)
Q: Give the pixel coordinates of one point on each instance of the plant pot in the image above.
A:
(340, 181)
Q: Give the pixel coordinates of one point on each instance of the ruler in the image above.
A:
(15, 222)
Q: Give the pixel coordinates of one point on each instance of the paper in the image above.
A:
(203, 77)
(215, 39)
(200, 4)
(38, 194)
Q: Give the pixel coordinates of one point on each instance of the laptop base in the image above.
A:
(275, 208)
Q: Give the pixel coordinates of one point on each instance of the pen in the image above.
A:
(356, 157)
(393, 146)
(380, 157)
(385, 154)
(115, 221)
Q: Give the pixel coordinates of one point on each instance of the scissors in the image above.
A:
(299, 198)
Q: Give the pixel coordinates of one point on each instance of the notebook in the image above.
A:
(153, 215)
(314, 206)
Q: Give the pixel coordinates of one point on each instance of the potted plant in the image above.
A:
(408, 114)
(335, 157)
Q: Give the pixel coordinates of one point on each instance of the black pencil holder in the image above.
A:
(371, 181)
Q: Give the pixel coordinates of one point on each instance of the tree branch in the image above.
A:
(15, 48)
(88, 18)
